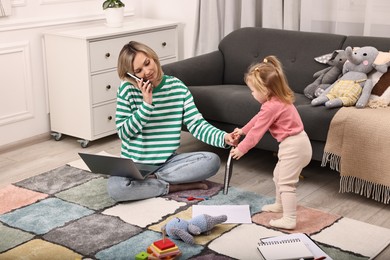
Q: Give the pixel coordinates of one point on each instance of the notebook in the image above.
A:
(287, 249)
(310, 244)
(117, 166)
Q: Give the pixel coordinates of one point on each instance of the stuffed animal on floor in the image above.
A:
(178, 228)
(327, 76)
(353, 87)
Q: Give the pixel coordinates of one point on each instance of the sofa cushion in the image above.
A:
(315, 119)
(231, 104)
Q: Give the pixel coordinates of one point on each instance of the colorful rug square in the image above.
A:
(309, 220)
(11, 237)
(144, 212)
(57, 180)
(92, 233)
(40, 249)
(355, 236)
(96, 198)
(44, 215)
(13, 197)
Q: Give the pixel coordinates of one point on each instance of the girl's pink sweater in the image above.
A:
(282, 120)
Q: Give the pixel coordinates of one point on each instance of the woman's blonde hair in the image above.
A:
(268, 78)
(126, 59)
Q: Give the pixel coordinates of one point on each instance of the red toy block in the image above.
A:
(164, 244)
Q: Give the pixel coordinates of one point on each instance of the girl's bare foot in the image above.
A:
(188, 186)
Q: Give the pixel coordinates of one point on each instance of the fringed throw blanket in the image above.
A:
(358, 146)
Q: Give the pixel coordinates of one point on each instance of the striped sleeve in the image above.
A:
(199, 127)
(132, 113)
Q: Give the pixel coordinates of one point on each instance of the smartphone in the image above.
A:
(133, 76)
(138, 79)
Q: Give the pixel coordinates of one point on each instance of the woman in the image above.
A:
(149, 117)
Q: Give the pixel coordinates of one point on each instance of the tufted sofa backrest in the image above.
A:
(296, 51)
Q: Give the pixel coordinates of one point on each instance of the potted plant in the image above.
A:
(114, 12)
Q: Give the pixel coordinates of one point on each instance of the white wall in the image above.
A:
(23, 102)
(176, 10)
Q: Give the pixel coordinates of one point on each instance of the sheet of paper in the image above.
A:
(235, 213)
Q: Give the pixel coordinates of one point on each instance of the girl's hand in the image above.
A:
(147, 90)
(238, 132)
(235, 153)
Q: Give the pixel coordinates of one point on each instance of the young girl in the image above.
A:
(269, 87)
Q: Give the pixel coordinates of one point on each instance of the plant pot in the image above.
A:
(114, 16)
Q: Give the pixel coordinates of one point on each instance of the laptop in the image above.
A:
(228, 174)
(117, 166)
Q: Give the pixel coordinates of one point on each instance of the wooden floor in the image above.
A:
(319, 189)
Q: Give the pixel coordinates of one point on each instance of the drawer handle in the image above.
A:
(108, 55)
(108, 87)
(164, 44)
(109, 118)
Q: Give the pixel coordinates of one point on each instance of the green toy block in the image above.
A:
(142, 256)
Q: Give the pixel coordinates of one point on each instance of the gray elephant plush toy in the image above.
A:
(353, 87)
(326, 77)
(178, 228)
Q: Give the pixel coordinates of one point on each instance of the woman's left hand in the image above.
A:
(231, 139)
(147, 91)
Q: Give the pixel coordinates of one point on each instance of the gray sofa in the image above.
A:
(216, 79)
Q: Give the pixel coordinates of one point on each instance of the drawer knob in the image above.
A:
(108, 87)
(109, 118)
(164, 44)
(108, 55)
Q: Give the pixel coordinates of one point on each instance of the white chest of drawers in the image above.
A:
(81, 73)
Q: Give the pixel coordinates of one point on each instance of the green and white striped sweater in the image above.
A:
(150, 134)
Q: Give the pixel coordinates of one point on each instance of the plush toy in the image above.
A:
(327, 76)
(380, 94)
(353, 87)
(178, 228)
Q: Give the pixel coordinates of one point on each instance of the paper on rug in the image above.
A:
(235, 213)
(358, 146)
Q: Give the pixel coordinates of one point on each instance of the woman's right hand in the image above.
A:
(147, 90)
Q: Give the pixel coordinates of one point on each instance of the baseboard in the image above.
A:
(28, 141)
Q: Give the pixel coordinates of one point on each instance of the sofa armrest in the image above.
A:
(206, 69)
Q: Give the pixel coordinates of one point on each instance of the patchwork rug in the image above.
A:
(66, 214)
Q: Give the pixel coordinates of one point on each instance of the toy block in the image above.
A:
(164, 244)
(142, 256)
(166, 252)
